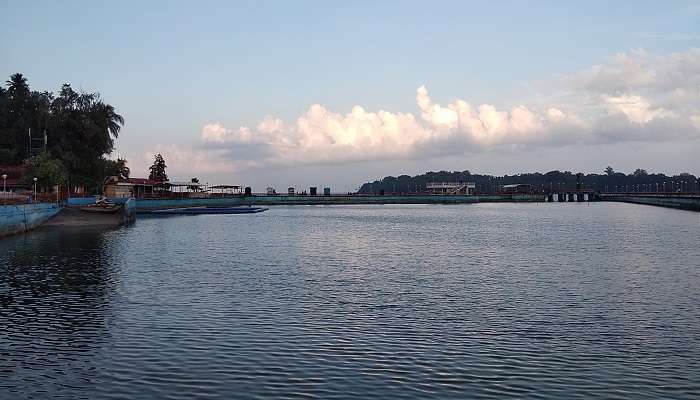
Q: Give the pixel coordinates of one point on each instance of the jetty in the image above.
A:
(144, 205)
(684, 201)
(74, 215)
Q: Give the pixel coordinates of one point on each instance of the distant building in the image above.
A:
(143, 187)
(14, 175)
(113, 187)
(516, 188)
(451, 187)
(225, 190)
(186, 189)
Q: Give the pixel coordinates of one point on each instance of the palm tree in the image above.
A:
(17, 85)
(108, 118)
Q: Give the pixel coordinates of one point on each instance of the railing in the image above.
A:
(654, 194)
(450, 185)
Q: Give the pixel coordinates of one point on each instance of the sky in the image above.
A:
(330, 93)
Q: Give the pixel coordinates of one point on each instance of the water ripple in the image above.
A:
(400, 302)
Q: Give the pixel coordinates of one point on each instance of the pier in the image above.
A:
(270, 200)
(579, 195)
(684, 201)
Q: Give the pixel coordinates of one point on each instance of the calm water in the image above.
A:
(478, 301)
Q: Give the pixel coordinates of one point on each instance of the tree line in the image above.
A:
(608, 181)
(63, 138)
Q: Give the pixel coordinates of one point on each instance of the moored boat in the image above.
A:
(209, 210)
(102, 208)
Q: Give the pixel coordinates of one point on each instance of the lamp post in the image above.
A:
(35, 179)
(4, 191)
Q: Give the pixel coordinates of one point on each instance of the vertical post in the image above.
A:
(4, 191)
(35, 190)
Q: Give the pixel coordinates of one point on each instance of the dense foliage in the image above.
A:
(78, 130)
(48, 171)
(608, 181)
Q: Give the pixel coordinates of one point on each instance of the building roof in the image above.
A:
(179, 184)
(143, 182)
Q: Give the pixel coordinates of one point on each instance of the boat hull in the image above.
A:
(102, 209)
(208, 210)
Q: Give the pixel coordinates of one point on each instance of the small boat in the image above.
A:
(209, 210)
(102, 208)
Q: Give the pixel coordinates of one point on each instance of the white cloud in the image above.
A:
(635, 96)
(640, 71)
(184, 160)
(695, 119)
(636, 108)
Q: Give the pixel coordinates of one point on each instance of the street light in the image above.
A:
(4, 192)
(35, 179)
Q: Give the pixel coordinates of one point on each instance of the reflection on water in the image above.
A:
(54, 291)
(481, 301)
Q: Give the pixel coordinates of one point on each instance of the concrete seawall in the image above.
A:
(72, 216)
(25, 217)
(685, 202)
(154, 204)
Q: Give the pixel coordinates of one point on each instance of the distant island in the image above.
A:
(609, 181)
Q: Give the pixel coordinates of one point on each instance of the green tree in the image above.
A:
(79, 126)
(157, 170)
(639, 173)
(609, 171)
(117, 168)
(49, 171)
(7, 156)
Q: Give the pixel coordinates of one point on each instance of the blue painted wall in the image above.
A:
(25, 217)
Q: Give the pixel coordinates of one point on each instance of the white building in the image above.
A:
(451, 187)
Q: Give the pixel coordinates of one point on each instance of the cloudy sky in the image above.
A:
(277, 93)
